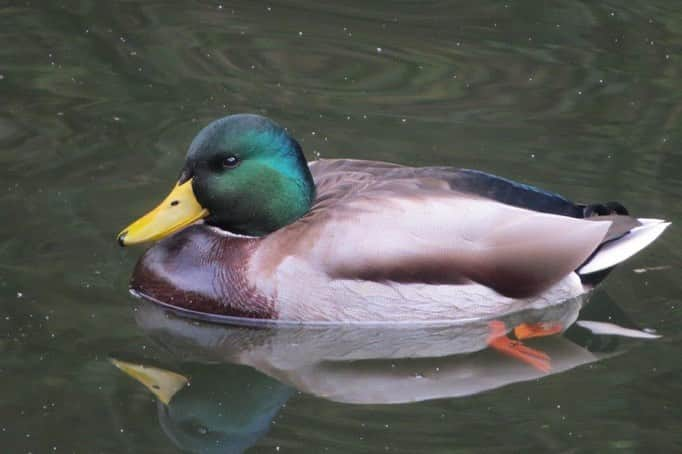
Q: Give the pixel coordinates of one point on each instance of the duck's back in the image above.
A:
(339, 179)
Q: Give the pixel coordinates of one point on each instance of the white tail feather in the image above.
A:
(610, 329)
(616, 251)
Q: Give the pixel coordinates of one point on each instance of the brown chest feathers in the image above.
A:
(202, 270)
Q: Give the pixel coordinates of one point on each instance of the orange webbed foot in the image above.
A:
(530, 330)
(498, 340)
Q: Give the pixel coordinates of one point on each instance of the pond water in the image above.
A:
(98, 102)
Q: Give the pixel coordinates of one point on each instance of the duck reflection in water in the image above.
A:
(228, 406)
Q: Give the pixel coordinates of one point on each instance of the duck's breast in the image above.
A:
(203, 270)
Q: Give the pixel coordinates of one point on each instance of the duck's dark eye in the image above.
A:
(230, 162)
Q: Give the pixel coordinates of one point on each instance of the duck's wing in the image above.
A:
(382, 222)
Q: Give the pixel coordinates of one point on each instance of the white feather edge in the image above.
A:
(610, 329)
(625, 247)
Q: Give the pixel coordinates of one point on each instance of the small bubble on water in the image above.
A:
(2, 76)
(300, 33)
(20, 295)
(379, 49)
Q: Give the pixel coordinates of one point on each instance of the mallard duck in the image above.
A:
(253, 230)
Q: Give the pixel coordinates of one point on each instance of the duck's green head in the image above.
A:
(243, 173)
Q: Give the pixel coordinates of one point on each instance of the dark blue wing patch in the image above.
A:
(513, 193)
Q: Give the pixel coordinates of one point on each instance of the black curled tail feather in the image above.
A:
(604, 209)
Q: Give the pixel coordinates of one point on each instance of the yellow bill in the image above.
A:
(163, 383)
(178, 210)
